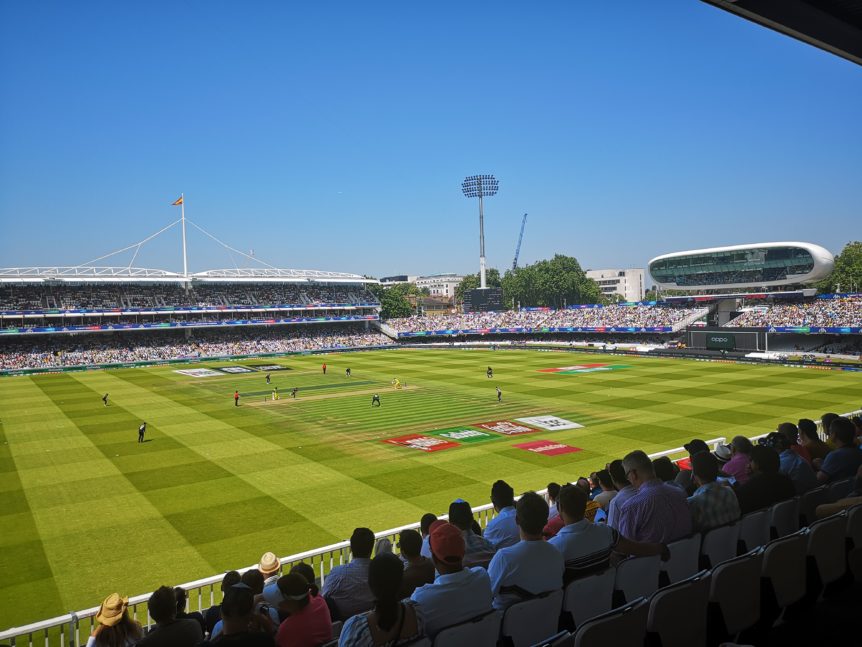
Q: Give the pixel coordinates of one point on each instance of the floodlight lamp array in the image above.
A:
(478, 186)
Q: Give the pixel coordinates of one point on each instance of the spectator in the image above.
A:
(531, 566)
(665, 469)
(684, 477)
(478, 550)
(213, 614)
(553, 493)
(791, 433)
(458, 593)
(608, 492)
(502, 530)
(595, 486)
(346, 586)
(391, 621)
(587, 547)
(182, 598)
(265, 614)
(712, 504)
(792, 464)
(826, 424)
(242, 627)
(169, 632)
(308, 623)
(418, 570)
(810, 439)
(737, 466)
(625, 491)
(269, 567)
(424, 528)
(766, 486)
(842, 462)
(658, 512)
(115, 628)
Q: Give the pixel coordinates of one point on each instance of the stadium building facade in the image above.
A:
(754, 266)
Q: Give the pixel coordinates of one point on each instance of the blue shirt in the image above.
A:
(657, 513)
(347, 586)
(800, 472)
(614, 506)
(534, 566)
(502, 531)
(841, 463)
(453, 598)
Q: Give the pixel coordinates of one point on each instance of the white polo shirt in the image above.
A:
(534, 566)
(453, 598)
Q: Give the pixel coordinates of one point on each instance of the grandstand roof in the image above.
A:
(98, 274)
(831, 25)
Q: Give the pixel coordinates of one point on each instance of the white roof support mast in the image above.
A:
(182, 204)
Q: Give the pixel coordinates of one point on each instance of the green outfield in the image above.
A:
(86, 510)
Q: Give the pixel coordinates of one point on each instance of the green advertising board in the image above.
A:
(464, 435)
(720, 341)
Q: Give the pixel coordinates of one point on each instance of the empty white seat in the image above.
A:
(826, 545)
(784, 567)
(637, 577)
(754, 530)
(840, 489)
(533, 620)
(684, 600)
(735, 590)
(784, 517)
(590, 596)
(808, 503)
(482, 631)
(854, 525)
(684, 558)
(719, 544)
(561, 639)
(622, 627)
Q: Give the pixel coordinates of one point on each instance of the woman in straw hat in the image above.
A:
(116, 628)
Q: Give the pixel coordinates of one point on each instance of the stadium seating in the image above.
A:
(820, 312)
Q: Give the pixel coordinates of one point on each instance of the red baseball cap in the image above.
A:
(447, 542)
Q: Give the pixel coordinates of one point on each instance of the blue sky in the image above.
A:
(335, 135)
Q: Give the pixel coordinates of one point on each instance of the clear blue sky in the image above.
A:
(335, 135)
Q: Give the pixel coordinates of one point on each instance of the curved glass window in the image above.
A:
(757, 266)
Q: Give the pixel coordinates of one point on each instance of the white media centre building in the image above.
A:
(629, 284)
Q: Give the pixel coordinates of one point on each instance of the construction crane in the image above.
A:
(520, 238)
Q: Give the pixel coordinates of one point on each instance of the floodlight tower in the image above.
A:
(480, 186)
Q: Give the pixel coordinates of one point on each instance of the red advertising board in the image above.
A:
(548, 447)
(422, 443)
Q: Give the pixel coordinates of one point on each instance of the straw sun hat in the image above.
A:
(113, 610)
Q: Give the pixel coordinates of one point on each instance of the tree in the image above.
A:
(394, 301)
(471, 282)
(554, 283)
(847, 275)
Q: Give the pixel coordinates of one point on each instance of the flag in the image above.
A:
(178, 202)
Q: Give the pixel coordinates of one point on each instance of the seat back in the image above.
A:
(808, 503)
(686, 599)
(622, 627)
(482, 631)
(561, 639)
(735, 589)
(684, 556)
(531, 621)
(784, 567)
(637, 577)
(784, 517)
(854, 525)
(590, 596)
(754, 530)
(719, 544)
(840, 489)
(826, 546)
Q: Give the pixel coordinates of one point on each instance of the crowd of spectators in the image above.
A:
(845, 311)
(109, 348)
(140, 295)
(613, 315)
(454, 571)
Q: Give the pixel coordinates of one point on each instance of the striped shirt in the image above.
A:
(347, 586)
(586, 547)
(657, 513)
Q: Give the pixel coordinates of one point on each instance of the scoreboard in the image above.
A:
(487, 300)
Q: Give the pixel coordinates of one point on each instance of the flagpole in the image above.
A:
(183, 218)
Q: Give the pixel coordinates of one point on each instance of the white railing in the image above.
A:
(73, 628)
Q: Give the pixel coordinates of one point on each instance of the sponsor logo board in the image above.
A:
(422, 443)
(198, 372)
(550, 423)
(583, 368)
(269, 367)
(548, 448)
(464, 435)
(505, 427)
(235, 369)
